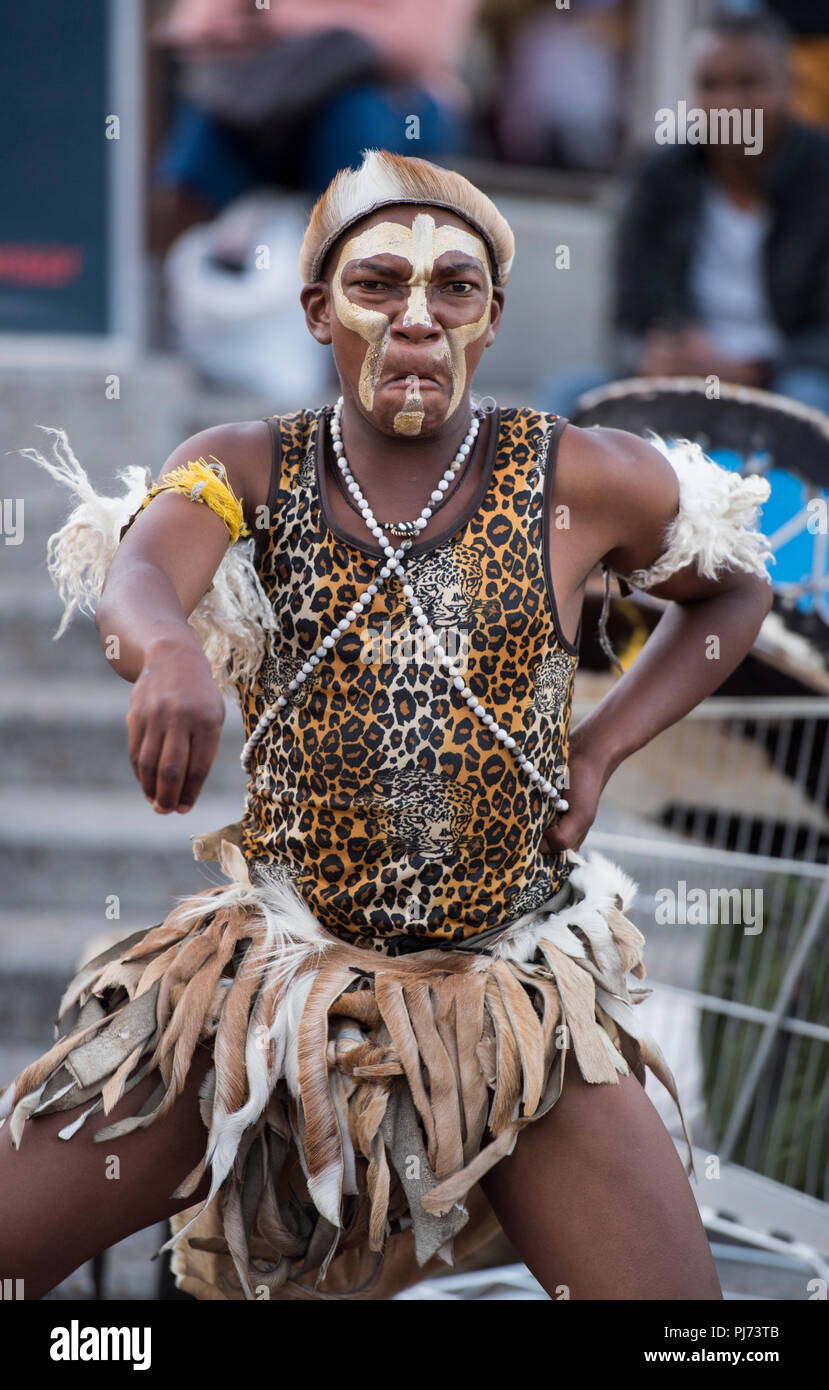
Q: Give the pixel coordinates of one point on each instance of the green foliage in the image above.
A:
(785, 1134)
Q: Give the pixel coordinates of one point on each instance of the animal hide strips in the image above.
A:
(355, 1100)
(233, 621)
(715, 524)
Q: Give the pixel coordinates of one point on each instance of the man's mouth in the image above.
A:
(412, 377)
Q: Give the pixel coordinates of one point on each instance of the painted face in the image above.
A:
(420, 245)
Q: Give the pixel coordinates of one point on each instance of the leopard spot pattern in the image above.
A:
(387, 803)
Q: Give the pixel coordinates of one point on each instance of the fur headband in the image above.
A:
(385, 178)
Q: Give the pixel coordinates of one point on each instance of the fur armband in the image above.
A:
(234, 621)
(202, 482)
(716, 524)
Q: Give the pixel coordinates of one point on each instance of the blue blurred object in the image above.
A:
(372, 116)
(213, 160)
(806, 384)
(206, 156)
(797, 556)
(746, 430)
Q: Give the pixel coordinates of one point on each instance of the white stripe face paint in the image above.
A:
(420, 245)
(422, 256)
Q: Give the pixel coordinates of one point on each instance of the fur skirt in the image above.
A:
(355, 1098)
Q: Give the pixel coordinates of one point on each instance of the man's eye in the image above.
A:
(371, 284)
(463, 284)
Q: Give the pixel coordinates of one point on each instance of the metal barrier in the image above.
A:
(735, 909)
(723, 820)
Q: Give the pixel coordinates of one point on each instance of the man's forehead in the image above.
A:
(423, 243)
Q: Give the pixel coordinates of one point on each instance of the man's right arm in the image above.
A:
(162, 568)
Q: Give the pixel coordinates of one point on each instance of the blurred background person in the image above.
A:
(722, 257)
(284, 96)
(269, 103)
(562, 89)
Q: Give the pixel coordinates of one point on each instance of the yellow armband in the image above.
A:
(202, 482)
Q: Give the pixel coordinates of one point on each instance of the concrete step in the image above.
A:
(40, 952)
(79, 848)
(46, 502)
(29, 616)
(142, 425)
(73, 731)
(35, 516)
(76, 872)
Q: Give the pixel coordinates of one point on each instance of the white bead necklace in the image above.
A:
(431, 642)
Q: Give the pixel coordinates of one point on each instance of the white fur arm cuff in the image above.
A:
(716, 524)
(233, 621)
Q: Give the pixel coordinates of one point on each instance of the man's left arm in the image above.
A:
(684, 533)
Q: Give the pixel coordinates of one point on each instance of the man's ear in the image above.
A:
(496, 309)
(316, 301)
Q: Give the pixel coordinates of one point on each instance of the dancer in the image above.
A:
(405, 1019)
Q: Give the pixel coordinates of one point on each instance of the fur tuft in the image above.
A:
(385, 178)
(716, 524)
(233, 621)
(603, 886)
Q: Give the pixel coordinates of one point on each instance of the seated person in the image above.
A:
(722, 249)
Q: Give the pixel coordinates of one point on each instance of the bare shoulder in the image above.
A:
(598, 463)
(243, 446)
(621, 491)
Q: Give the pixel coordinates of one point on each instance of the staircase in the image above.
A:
(81, 851)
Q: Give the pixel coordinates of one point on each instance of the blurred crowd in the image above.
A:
(721, 265)
(721, 262)
(287, 94)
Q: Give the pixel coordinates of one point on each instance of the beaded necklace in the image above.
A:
(431, 642)
(397, 528)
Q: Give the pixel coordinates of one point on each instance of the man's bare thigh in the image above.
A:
(62, 1201)
(596, 1200)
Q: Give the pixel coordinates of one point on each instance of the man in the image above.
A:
(405, 267)
(722, 249)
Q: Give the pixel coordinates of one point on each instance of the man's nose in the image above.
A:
(414, 319)
(416, 323)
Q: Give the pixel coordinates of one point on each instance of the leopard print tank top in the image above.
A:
(387, 802)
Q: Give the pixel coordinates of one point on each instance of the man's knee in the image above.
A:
(809, 385)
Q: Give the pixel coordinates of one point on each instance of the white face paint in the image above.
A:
(420, 245)
(410, 418)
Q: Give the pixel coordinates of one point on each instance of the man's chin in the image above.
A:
(396, 418)
(390, 406)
